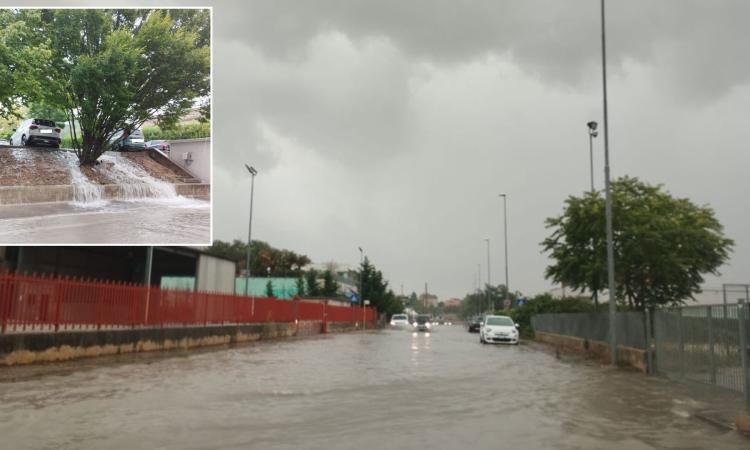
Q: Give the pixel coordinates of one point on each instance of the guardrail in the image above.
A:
(45, 303)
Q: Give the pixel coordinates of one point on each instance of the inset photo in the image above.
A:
(105, 126)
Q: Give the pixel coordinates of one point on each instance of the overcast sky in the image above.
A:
(394, 125)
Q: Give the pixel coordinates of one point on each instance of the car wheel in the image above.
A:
(23, 141)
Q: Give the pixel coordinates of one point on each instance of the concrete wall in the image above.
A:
(200, 151)
(14, 195)
(628, 356)
(215, 274)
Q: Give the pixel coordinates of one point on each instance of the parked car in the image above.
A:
(36, 131)
(399, 320)
(122, 141)
(475, 323)
(422, 322)
(498, 329)
(4, 142)
(160, 145)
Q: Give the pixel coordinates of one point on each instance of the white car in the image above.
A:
(36, 131)
(399, 321)
(498, 330)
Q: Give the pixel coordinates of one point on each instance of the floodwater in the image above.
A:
(175, 220)
(388, 389)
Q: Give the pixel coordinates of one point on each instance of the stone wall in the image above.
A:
(628, 356)
(13, 195)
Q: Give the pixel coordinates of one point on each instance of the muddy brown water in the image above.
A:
(387, 389)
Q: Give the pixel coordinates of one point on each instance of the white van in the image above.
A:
(35, 132)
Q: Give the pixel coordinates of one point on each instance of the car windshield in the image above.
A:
(423, 319)
(503, 321)
(399, 317)
(136, 134)
(44, 122)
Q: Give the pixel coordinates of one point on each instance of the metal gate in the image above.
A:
(705, 344)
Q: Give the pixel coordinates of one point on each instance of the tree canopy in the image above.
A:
(375, 289)
(663, 245)
(107, 69)
(262, 256)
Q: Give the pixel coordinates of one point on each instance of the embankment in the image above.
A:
(30, 348)
(13, 195)
(627, 356)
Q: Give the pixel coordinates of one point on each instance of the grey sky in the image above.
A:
(393, 125)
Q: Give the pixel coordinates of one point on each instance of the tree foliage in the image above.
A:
(269, 289)
(663, 245)
(330, 285)
(282, 262)
(108, 69)
(375, 289)
(544, 303)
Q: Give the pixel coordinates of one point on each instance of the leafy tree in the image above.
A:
(44, 111)
(663, 245)
(269, 289)
(300, 285)
(330, 285)
(113, 69)
(375, 289)
(311, 279)
(262, 255)
(544, 303)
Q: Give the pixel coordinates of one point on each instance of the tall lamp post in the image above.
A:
(505, 233)
(361, 294)
(592, 134)
(253, 172)
(608, 206)
(489, 283)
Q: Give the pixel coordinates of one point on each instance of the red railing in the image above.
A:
(39, 302)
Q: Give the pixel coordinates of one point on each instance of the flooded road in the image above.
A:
(176, 220)
(376, 390)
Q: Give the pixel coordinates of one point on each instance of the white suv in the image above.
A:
(36, 131)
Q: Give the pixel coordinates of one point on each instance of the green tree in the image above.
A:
(375, 289)
(663, 245)
(311, 279)
(262, 255)
(300, 282)
(44, 111)
(269, 289)
(330, 285)
(113, 69)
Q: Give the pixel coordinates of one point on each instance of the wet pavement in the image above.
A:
(146, 221)
(388, 389)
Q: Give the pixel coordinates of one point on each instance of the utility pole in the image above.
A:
(253, 172)
(489, 283)
(608, 207)
(505, 233)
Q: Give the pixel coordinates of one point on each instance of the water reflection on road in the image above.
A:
(176, 220)
(390, 389)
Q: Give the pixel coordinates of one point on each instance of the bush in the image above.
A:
(186, 131)
(544, 303)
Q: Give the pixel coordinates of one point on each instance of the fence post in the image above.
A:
(649, 350)
(741, 312)
(681, 343)
(711, 343)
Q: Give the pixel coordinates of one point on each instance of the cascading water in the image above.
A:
(133, 182)
(85, 193)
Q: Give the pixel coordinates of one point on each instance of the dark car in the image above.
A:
(422, 322)
(160, 145)
(475, 323)
(123, 141)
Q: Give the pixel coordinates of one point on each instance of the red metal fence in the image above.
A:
(38, 302)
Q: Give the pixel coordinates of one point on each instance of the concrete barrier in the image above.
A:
(628, 356)
(30, 348)
(14, 195)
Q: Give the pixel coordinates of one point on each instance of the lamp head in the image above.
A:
(251, 169)
(592, 125)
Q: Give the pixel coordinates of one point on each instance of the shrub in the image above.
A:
(544, 303)
(184, 131)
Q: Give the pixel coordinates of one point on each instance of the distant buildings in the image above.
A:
(428, 299)
(452, 302)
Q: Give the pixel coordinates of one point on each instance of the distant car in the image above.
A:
(4, 142)
(498, 330)
(475, 323)
(422, 323)
(122, 142)
(399, 321)
(36, 132)
(160, 145)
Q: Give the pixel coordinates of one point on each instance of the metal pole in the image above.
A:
(591, 157)
(505, 232)
(490, 304)
(711, 344)
(649, 349)
(608, 208)
(147, 280)
(741, 313)
(681, 343)
(253, 172)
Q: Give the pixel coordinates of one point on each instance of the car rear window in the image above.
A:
(136, 133)
(399, 317)
(44, 123)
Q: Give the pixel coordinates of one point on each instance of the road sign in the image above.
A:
(367, 302)
(354, 298)
(520, 301)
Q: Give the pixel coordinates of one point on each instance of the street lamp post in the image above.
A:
(592, 134)
(253, 172)
(489, 283)
(608, 206)
(505, 233)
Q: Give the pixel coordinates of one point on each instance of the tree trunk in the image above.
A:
(91, 149)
